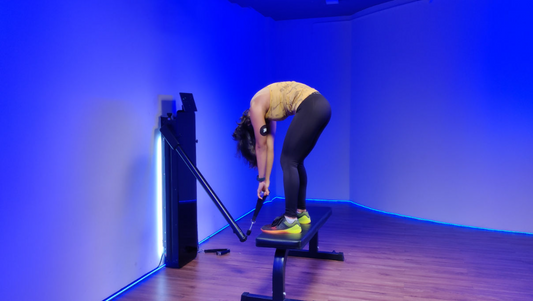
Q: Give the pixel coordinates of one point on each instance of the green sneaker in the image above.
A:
(280, 225)
(304, 217)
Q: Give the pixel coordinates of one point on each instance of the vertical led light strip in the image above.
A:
(159, 195)
(159, 215)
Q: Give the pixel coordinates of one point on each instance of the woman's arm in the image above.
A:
(270, 150)
(258, 108)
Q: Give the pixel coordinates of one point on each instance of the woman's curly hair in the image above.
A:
(245, 137)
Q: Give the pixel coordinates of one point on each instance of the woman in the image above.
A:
(255, 135)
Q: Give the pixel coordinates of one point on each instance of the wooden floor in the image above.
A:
(386, 258)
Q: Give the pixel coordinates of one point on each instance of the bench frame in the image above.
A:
(280, 261)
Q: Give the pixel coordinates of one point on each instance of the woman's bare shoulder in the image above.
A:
(261, 99)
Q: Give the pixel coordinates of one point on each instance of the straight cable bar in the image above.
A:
(175, 145)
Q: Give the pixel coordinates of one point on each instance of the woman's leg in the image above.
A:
(308, 123)
(302, 192)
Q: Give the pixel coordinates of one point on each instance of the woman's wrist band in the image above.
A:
(260, 179)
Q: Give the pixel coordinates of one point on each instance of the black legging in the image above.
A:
(310, 119)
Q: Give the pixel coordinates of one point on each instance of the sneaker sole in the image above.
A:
(292, 230)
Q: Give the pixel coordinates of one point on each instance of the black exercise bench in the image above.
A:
(291, 245)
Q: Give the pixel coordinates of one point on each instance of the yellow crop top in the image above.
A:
(285, 97)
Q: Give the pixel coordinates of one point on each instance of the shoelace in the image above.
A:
(277, 221)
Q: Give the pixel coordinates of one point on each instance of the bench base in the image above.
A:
(278, 272)
(252, 297)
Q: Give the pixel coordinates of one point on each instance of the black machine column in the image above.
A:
(181, 231)
(180, 174)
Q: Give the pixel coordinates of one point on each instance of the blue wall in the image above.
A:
(442, 112)
(431, 118)
(432, 109)
(79, 87)
(317, 52)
